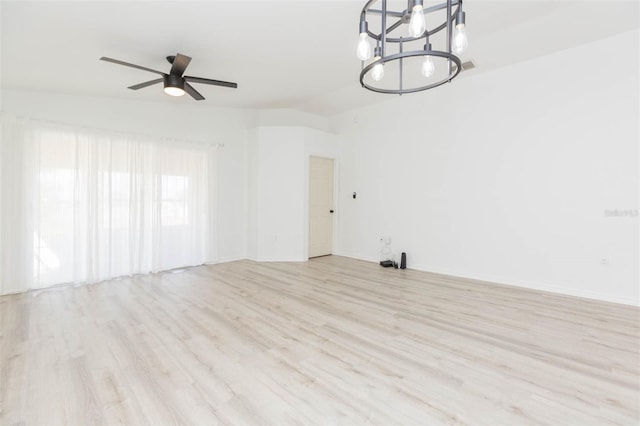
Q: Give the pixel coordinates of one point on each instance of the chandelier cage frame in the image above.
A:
(454, 14)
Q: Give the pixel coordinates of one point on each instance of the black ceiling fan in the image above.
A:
(175, 83)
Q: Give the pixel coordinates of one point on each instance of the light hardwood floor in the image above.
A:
(330, 341)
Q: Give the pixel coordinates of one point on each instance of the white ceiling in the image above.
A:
(283, 54)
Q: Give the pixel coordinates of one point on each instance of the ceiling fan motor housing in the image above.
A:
(173, 81)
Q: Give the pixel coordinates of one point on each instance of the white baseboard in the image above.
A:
(357, 256)
(486, 279)
(10, 292)
(281, 259)
(567, 291)
(274, 259)
(227, 260)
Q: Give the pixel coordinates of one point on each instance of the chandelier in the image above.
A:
(403, 60)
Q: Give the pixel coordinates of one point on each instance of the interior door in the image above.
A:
(320, 206)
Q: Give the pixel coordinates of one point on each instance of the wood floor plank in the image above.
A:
(329, 341)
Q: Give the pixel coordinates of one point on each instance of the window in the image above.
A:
(175, 204)
(102, 205)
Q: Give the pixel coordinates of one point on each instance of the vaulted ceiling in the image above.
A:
(283, 54)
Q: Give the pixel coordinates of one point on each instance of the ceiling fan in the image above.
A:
(175, 83)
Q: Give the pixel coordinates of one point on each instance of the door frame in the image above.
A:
(336, 198)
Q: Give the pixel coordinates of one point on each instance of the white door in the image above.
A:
(320, 206)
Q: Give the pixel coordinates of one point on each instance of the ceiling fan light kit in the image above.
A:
(173, 85)
(175, 82)
(395, 46)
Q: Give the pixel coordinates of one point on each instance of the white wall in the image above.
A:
(280, 193)
(279, 190)
(505, 176)
(251, 194)
(284, 117)
(225, 126)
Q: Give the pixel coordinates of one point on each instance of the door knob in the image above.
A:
(330, 211)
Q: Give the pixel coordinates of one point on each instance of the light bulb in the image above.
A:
(428, 67)
(173, 91)
(460, 41)
(364, 47)
(377, 73)
(417, 24)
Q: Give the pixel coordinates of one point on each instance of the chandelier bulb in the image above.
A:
(417, 24)
(377, 73)
(460, 41)
(428, 67)
(364, 47)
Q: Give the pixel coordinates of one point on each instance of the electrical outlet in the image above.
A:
(604, 261)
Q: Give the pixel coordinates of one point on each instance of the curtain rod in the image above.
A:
(104, 130)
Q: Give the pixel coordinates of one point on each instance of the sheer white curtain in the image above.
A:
(80, 205)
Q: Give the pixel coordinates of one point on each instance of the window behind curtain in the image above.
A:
(101, 206)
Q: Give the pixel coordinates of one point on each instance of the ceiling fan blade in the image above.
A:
(193, 92)
(145, 84)
(209, 81)
(180, 64)
(126, 64)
